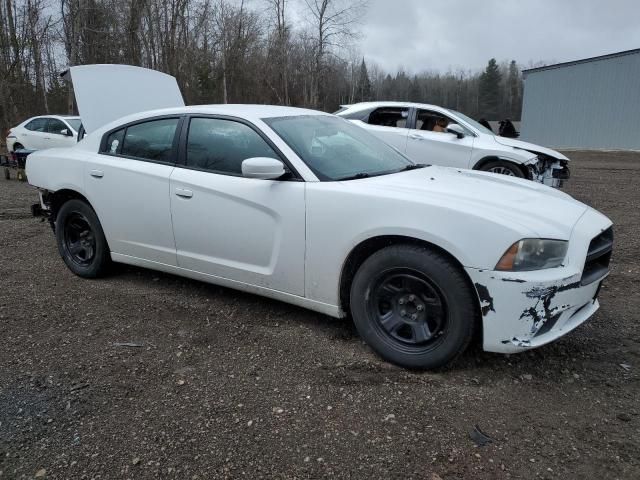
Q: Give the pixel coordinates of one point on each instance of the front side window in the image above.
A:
(56, 127)
(430, 121)
(336, 149)
(75, 123)
(220, 146)
(389, 117)
(37, 125)
(151, 140)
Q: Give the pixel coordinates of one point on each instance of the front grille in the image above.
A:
(598, 257)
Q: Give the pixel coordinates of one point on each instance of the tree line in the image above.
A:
(290, 52)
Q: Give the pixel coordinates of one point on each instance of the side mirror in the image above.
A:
(66, 132)
(264, 168)
(457, 130)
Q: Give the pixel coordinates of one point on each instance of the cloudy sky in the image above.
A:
(419, 35)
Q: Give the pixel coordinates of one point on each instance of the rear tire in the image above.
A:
(413, 306)
(81, 241)
(502, 167)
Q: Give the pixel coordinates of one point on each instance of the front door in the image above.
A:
(429, 142)
(243, 229)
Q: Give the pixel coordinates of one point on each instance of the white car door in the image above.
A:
(128, 186)
(424, 145)
(389, 124)
(32, 137)
(59, 134)
(243, 229)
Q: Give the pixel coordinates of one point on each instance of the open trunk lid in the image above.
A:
(105, 93)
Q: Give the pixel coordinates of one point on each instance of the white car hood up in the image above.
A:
(105, 93)
(531, 147)
(539, 210)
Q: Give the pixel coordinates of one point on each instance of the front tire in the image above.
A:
(502, 167)
(81, 241)
(413, 306)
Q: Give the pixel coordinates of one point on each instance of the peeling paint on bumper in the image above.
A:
(528, 314)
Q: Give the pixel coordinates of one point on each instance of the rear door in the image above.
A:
(243, 229)
(429, 142)
(128, 185)
(33, 137)
(390, 124)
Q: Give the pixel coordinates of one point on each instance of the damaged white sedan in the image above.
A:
(308, 208)
(437, 135)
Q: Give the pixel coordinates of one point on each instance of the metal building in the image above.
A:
(587, 104)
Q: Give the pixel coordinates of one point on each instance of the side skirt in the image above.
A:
(325, 308)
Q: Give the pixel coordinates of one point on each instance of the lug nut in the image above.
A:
(401, 301)
(403, 313)
(420, 308)
(414, 317)
(412, 298)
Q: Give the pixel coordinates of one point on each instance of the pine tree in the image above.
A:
(364, 83)
(513, 91)
(490, 91)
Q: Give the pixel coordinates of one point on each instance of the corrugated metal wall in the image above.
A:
(591, 105)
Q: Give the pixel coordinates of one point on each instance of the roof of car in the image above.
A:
(363, 105)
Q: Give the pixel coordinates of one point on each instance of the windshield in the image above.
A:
(473, 123)
(335, 149)
(74, 122)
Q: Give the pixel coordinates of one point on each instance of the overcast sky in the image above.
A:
(419, 35)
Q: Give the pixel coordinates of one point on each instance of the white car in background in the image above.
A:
(308, 208)
(439, 136)
(47, 131)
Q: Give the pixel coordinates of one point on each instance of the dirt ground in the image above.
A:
(223, 384)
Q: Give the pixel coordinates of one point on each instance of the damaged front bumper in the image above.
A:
(523, 310)
(550, 171)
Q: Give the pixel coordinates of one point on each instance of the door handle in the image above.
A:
(181, 192)
(416, 137)
(97, 173)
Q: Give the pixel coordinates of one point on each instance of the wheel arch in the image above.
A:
(495, 158)
(368, 247)
(60, 197)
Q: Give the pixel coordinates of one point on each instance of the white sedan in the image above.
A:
(48, 131)
(307, 208)
(432, 134)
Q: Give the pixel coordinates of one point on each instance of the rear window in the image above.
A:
(151, 140)
(37, 125)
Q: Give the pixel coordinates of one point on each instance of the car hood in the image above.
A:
(532, 208)
(105, 93)
(531, 147)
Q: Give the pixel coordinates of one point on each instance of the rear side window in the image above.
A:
(37, 125)
(114, 141)
(151, 140)
(389, 117)
(220, 146)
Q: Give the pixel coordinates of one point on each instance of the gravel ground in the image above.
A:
(145, 375)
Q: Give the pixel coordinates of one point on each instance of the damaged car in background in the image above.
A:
(310, 209)
(440, 136)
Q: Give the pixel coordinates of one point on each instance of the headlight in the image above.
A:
(533, 254)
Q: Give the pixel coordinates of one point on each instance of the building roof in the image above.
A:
(584, 60)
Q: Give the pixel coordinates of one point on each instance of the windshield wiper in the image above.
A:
(414, 166)
(355, 177)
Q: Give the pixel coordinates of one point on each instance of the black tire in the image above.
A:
(17, 146)
(400, 281)
(81, 241)
(502, 167)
